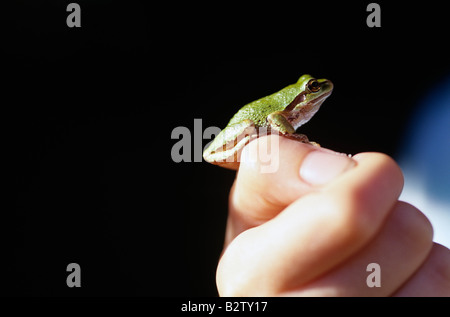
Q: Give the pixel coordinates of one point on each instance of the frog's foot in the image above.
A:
(301, 138)
(297, 137)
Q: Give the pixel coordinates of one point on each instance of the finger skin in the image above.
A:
(432, 278)
(315, 233)
(257, 197)
(269, 192)
(399, 249)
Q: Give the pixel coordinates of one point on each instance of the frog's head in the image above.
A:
(312, 90)
(311, 93)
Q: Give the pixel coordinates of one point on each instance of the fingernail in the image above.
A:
(321, 166)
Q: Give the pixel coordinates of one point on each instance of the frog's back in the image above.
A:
(258, 110)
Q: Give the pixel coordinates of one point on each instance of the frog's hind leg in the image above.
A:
(226, 148)
(233, 137)
(241, 133)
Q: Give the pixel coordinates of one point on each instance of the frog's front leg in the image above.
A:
(279, 122)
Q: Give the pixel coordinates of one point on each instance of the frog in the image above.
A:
(282, 113)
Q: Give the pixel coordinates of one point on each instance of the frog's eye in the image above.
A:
(313, 85)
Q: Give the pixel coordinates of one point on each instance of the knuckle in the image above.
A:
(442, 266)
(413, 226)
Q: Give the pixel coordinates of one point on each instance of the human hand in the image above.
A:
(311, 228)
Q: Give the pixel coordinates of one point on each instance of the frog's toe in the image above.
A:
(298, 137)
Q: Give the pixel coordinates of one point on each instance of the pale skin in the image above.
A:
(311, 228)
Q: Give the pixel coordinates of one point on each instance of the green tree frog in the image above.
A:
(282, 112)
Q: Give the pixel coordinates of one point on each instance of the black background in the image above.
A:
(88, 114)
